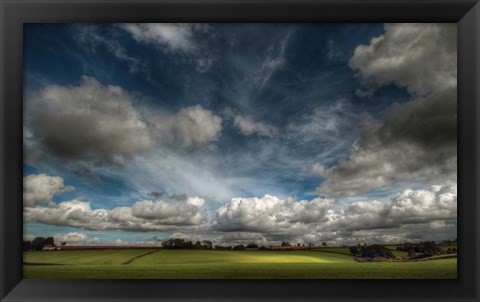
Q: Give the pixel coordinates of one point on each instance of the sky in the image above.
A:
(240, 133)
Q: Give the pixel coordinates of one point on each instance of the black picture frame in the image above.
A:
(14, 13)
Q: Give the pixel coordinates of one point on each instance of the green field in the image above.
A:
(211, 264)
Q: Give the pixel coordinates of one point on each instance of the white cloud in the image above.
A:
(270, 214)
(438, 202)
(91, 121)
(328, 123)
(250, 219)
(408, 207)
(73, 238)
(191, 127)
(196, 201)
(187, 39)
(176, 37)
(165, 213)
(141, 216)
(248, 126)
(420, 57)
(270, 219)
(38, 189)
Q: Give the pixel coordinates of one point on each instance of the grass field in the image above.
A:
(204, 264)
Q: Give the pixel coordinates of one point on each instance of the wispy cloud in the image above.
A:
(93, 39)
(176, 38)
(274, 60)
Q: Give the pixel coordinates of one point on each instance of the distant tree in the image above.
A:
(64, 243)
(167, 244)
(374, 251)
(38, 243)
(188, 245)
(430, 248)
(286, 243)
(198, 245)
(219, 247)
(179, 243)
(411, 253)
(324, 244)
(354, 250)
(239, 247)
(207, 244)
(50, 241)
(175, 243)
(252, 246)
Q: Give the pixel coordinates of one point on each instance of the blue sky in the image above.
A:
(240, 132)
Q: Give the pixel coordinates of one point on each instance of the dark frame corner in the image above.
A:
(13, 13)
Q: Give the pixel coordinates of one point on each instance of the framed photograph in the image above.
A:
(251, 151)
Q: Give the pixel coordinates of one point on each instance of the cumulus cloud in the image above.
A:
(437, 203)
(142, 216)
(270, 214)
(379, 164)
(90, 121)
(38, 189)
(428, 121)
(165, 213)
(272, 219)
(73, 238)
(415, 140)
(268, 219)
(420, 57)
(248, 126)
(97, 124)
(191, 127)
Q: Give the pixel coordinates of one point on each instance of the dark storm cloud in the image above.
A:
(98, 124)
(430, 121)
(415, 140)
(86, 122)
